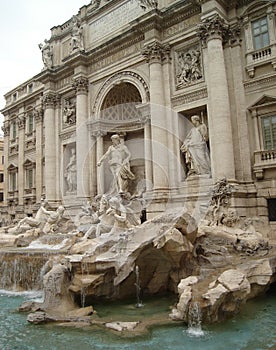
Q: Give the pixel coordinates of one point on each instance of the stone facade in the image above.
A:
(142, 69)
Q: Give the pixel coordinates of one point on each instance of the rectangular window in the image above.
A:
(29, 178)
(13, 182)
(13, 131)
(3, 159)
(30, 124)
(260, 33)
(269, 132)
(1, 196)
(271, 204)
(1, 177)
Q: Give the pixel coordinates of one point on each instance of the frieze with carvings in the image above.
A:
(69, 112)
(189, 97)
(188, 67)
(67, 135)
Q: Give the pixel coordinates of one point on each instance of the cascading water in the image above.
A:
(194, 320)
(21, 270)
(138, 288)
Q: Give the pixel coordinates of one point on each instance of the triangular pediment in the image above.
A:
(264, 100)
(28, 163)
(12, 166)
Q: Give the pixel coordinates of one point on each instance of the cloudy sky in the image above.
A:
(23, 25)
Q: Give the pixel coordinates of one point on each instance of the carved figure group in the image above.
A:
(189, 67)
(118, 157)
(69, 113)
(195, 149)
(47, 54)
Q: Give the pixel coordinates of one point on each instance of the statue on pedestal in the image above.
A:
(118, 157)
(195, 149)
(47, 53)
(71, 172)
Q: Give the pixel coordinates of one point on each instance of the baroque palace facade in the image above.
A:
(142, 69)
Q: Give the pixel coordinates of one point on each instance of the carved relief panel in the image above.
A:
(188, 67)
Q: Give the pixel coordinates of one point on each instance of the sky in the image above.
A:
(23, 25)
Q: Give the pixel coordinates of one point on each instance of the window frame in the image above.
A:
(261, 34)
(262, 118)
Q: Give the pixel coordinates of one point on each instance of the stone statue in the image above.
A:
(76, 35)
(195, 149)
(118, 155)
(69, 113)
(71, 172)
(53, 220)
(28, 222)
(47, 54)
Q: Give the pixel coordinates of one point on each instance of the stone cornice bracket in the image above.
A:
(213, 27)
(50, 100)
(148, 4)
(21, 122)
(38, 115)
(6, 128)
(156, 53)
(80, 85)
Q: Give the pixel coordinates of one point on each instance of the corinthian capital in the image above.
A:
(80, 84)
(156, 52)
(6, 128)
(213, 27)
(51, 99)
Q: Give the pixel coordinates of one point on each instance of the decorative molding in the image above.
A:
(80, 84)
(260, 83)
(156, 52)
(67, 135)
(189, 97)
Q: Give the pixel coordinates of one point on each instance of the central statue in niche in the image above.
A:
(118, 156)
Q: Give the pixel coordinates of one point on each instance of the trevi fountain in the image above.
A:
(192, 277)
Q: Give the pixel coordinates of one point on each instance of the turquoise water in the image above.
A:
(253, 329)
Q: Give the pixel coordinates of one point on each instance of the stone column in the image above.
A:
(155, 54)
(212, 31)
(241, 141)
(38, 116)
(49, 101)
(145, 118)
(82, 151)
(6, 131)
(99, 153)
(21, 144)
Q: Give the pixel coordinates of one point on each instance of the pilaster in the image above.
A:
(81, 87)
(50, 99)
(155, 55)
(213, 32)
(38, 116)
(21, 138)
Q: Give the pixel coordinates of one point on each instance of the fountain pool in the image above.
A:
(253, 329)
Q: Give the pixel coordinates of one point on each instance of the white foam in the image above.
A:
(38, 245)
